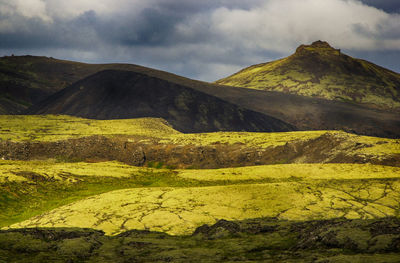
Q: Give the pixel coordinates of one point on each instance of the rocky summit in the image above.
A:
(319, 70)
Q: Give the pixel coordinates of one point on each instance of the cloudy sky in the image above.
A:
(201, 39)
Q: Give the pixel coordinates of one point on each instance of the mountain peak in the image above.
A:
(321, 44)
(317, 46)
(319, 70)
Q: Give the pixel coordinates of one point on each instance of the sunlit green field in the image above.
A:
(115, 197)
(178, 201)
(61, 127)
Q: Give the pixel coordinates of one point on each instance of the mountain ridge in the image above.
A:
(26, 80)
(118, 94)
(319, 70)
(305, 113)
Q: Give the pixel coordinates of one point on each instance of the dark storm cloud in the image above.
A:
(151, 27)
(156, 25)
(38, 34)
(202, 39)
(389, 6)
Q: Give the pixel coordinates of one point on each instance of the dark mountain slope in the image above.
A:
(308, 113)
(114, 94)
(26, 80)
(318, 70)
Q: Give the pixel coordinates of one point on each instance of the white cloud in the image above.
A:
(206, 39)
(280, 25)
(26, 8)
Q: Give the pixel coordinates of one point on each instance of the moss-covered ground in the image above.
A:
(61, 127)
(43, 128)
(115, 197)
(255, 240)
(47, 193)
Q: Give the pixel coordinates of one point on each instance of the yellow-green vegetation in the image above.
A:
(60, 127)
(296, 172)
(374, 146)
(116, 197)
(252, 139)
(29, 188)
(178, 201)
(318, 70)
(256, 240)
(365, 145)
(58, 171)
(181, 210)
(276, 201)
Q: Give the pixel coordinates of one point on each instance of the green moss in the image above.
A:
(20, 200)
(259, 240)
(323, 72)
(59, 127)
(293, 191)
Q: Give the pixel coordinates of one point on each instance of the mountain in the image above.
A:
(26, 80)
(117, 94)
(307, 113)
(318, 70)
(47, 75)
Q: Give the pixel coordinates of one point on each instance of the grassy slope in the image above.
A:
(31, 188)
(61, 127)
(189, 198)
(318, 70)
(116, 197)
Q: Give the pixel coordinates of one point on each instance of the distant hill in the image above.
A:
(116, 94)
(318, 70)
(26, 80)
(42, 76)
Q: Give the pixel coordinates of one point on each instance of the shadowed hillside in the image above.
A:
(26, 80)
(318, 70)
(43, 76)
(308, 113)
(114, 94)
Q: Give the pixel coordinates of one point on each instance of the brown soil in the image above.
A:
(323, 149)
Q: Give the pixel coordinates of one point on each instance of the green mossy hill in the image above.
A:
(318, 70)
(256, 240)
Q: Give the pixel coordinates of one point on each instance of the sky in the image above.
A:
(205, 40)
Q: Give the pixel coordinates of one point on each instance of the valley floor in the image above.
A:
(70, 190)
